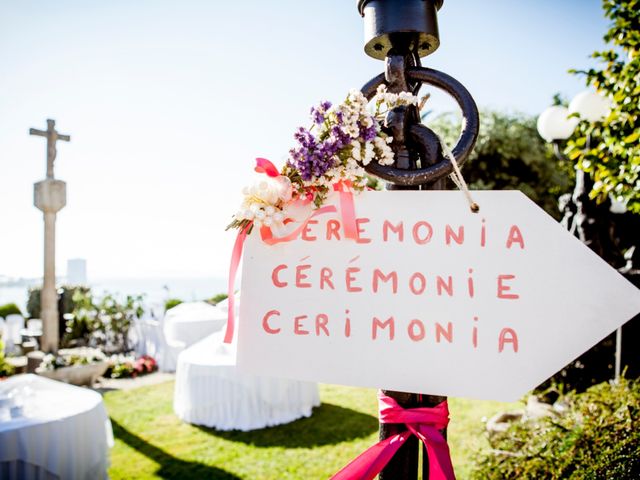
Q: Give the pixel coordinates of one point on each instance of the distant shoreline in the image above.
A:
(156, 290)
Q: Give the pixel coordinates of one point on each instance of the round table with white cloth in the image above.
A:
(189, 323)
(52, 430)
(210, 391)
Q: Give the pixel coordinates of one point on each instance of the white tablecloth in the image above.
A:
(189, 323)
(185, 325)
(210, 391)
(64, 432)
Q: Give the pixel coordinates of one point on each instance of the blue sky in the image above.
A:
(168, 103)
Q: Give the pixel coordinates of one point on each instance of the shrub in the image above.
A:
(6, 369)
(9, 309)
(127, 366)
(65, 299)
(597, 437)
(71, 357)
(217, 298)
(172, 302)
(102, 323)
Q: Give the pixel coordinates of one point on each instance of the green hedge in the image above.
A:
(9, 309)
(218, 298)
(172, 302)
(597, 438)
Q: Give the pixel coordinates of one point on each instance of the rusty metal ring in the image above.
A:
(419, 133)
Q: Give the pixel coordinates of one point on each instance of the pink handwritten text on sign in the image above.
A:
(430, 298)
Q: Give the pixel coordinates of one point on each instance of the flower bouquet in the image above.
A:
(329, 155)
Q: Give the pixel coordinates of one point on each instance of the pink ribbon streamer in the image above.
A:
(267, 235)
(348, 209)
(236, 255)
(265, 166)
(424, 423)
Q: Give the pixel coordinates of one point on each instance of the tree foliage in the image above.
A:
(610, 150)
(509, 154)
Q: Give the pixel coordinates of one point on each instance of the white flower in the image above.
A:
(355, 150)
(385, 153)
(368, 153)
(407, 98)
(269, 190)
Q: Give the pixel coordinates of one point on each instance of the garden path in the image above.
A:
(107, 384)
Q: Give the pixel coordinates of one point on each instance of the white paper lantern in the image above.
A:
(553, 123)
(591, 106)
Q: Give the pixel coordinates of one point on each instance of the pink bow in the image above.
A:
(265, 166)
(424, 423)
(348, 219)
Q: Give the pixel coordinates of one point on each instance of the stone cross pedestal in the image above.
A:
(50, 196)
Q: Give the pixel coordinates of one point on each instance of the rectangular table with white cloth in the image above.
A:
(51, 430)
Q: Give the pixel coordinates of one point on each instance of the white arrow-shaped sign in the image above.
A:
(431, 298)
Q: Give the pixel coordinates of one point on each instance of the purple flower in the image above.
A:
(318, 113)
(367, 133)
(312, 158)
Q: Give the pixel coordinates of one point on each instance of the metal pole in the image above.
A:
(400, 32)
(405, 463)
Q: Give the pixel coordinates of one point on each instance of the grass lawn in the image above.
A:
(151, 442)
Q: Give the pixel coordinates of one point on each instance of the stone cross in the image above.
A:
(50, 196)
(52, 137)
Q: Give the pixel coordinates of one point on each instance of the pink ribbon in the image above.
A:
(348, 209)
(424, 423)
(267, 235)
(236, 255)
(348, 212)
(265, 166)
